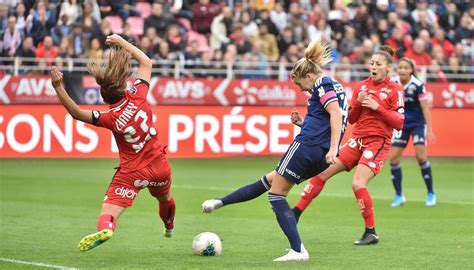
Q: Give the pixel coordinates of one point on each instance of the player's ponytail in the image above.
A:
(111, 73)
(387, 52)
(316, 55)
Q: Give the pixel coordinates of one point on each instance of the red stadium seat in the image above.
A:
(115, 24)
(136, 24)
(144, 8)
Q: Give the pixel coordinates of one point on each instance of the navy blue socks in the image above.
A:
(427, 176)
(248, 192)
(397, 177)
(286, 219)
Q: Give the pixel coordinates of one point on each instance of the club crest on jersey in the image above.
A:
(411, 89)
(133, 89)
(383, 96)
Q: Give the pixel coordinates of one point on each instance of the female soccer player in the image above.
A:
(310, 153)
(417, 123)
(142, 158)
(376, 109)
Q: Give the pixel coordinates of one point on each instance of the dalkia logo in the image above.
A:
(454, 97)
(126, 193)
(250, 95)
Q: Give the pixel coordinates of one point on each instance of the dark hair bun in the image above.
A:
(387, 49)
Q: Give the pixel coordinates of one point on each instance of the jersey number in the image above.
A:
(344, 108)
(130, 131)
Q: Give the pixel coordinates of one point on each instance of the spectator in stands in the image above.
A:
(362, 23)
(439, 38)
(27, 50)
(72, 9)
(400, 41)
(79, 43)
(383, 30)
(164, 59)
(464, 30)
(250, 28)
(11, 38)
(320, 30)
(455, 69)
(91, 9)
(103, 32)
(349, 42)
(464, 57)
(146, 46)
(422, 24)
(438, 55)
(158, 19)
(203, 15)
(21, 23)
(176, 40)
(221, 27)
(238, 38)
(428, 14)
(279, 16)
(426, 37)
(435, 73)
(192, 58)
(449, 21)
(266, 42)
(62, 29)
(3, 18)
(290, 56)
(42, 67)
(47, 50)
(65, 49)
(285, 39)
(418, 53)
(150, 32)
(381, 10)
(95, 50)
(261, 5)
(254, 64)
(339, 25)
(264, 16)
(43, 20)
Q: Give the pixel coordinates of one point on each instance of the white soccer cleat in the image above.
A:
(294, 256)
(211, 205)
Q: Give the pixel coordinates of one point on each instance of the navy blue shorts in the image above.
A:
(401, 138)
(301, 162)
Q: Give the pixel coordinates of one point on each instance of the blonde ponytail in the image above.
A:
(316, 55)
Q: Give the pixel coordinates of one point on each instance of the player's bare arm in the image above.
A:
(425, 108)
(74, 110)
(336, 129)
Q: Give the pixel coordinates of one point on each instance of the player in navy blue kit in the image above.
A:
(417, 125)
(312, 151)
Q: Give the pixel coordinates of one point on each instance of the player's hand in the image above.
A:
(296, 118)
(331, 156)
(370, 103)
(431, 137)
(114, 40)
(56, 77)
(362, 96)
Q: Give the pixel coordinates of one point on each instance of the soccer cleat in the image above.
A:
(368, 238)
(211, 205)
(399, 200)
(294, 256)
(168, 233)
(430, 199)
(94, 240)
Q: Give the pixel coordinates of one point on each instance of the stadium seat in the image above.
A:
(115, 24)
(144, 8)
(136, 24)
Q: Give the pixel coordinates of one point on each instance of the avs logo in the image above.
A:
(126, 193)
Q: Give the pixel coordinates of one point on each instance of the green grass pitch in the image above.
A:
(47, 206)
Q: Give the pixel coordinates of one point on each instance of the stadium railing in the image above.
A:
(222, 69)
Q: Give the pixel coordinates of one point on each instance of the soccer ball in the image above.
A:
(207, 244)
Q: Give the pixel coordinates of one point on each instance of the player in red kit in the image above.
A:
(377, 107)
(143, 163)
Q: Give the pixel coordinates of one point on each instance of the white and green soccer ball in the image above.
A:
(207, 244)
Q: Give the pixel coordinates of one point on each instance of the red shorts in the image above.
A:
(371, 151)
(124, 188)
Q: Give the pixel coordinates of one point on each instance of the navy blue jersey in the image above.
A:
(414, 92)
(316, 128)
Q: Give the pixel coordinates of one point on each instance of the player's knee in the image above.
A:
(421, 158)
(358, 184)
(164, 198)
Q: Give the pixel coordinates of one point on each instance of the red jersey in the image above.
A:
(130, 120)
(390, 96)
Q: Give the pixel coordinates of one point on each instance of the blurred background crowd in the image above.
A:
(206, 35)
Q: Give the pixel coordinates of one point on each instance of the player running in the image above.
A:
(143, 161)
(376, 109)
(310, 153)
(417, 123)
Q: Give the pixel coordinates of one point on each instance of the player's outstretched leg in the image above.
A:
(167, 214)
(245, 193)
(105, 227)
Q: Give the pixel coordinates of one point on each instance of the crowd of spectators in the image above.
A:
(247, 34)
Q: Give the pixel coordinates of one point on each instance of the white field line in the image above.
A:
(338, 195)
(38, 264)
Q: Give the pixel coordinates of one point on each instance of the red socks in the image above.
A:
(311, 191)
(167, 212)
(106, 221)
(366, 206)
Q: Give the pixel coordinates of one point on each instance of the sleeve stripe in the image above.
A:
(422, 96)
(329, 101)
(327, 96)
(141, 81)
